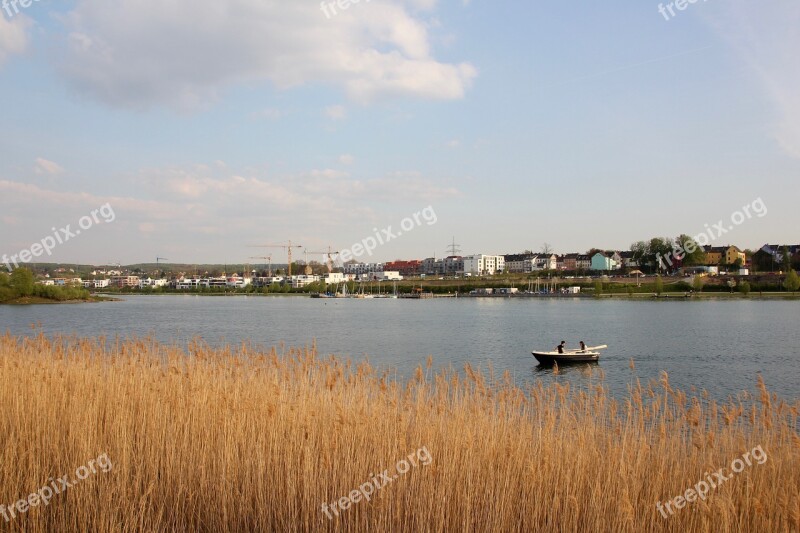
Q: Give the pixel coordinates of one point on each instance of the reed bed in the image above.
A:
(241, 439)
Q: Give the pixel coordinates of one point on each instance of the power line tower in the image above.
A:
(453, 248)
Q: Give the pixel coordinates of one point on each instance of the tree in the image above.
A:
(697, 283)
(787, 260)
(744, 288)
(547, 249)
(598, 288)
(693, 253)
(659, 285)
(658, 251)
(792, 281)
(22, 281)
(639, 251)
(5, 281)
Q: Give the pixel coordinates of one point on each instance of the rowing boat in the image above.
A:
(590, 355)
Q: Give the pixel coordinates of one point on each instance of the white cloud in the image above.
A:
(13, 36)
(44, 166)
(765, 36)
(336, 112)
(184, 53)
(453, 143)
(347, 159)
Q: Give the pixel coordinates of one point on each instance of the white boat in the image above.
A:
(590, 355)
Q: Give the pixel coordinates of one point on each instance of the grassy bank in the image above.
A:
(238, 440)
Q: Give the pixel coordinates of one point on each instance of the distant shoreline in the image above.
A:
(37, 300)
(105, 297)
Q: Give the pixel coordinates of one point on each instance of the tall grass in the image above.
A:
(234, 439)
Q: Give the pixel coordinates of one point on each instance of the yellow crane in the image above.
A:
(329, 253)
(286, 246)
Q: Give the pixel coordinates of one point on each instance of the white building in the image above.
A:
(363, 268)
(237, 281)
(389, 275)
(149, 282)
(192, 283)
(484, 264)
(544, 262)
(298, 282)
(333, 277)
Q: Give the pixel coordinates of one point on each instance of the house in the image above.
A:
(190, 283)
(583, 262)
(769, 258)
(606, 261)
(520, 262)
(333, 278)
(266, 281)
(149, 282)
(723, 255)
(546, 262)
(124, 281)
(484, 264)
(629, 260)
(570, 262)
(298, 282)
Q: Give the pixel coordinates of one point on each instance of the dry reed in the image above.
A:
(235, 439)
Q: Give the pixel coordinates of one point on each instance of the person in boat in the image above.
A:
(583, 347)
(560, 347)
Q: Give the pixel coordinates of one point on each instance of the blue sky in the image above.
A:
(209, 126)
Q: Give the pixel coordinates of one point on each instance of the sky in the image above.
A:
(208, 127)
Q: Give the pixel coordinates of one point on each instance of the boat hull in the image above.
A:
(549, 358)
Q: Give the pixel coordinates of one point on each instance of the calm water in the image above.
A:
(720, 346)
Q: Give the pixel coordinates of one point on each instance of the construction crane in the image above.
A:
(328, 254)
(158, 261)
(267, 260)
(287, 246)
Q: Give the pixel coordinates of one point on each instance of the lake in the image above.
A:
(717, 345)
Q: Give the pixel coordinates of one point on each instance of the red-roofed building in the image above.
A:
(405, 268)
